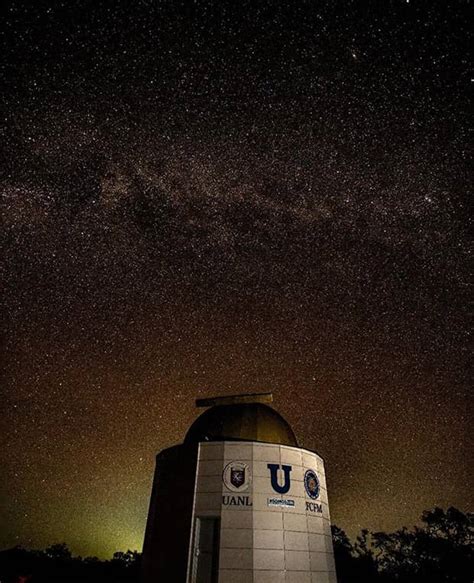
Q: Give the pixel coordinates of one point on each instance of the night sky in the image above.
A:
(204, 198)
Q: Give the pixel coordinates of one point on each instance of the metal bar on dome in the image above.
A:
(235, 399)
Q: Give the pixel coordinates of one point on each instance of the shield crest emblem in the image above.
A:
(237, 477)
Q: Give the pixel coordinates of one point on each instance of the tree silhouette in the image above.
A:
(58, 552)
(438, 552)
(56, 564)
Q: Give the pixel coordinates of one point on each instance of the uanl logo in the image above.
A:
(280, 487)
(285, 486)
(236, 477)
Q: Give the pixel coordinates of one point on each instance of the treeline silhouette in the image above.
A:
(56, 564)
(439, 551)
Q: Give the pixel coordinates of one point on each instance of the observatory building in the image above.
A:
(239, 502)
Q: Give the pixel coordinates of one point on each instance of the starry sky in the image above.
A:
(212, 197)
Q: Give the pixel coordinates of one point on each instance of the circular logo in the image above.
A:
(236, 476)
(311, 484)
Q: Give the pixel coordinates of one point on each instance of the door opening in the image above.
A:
(206, 550)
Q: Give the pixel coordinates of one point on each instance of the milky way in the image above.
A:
(226, 197)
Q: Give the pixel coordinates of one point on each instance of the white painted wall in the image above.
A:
(262, 543)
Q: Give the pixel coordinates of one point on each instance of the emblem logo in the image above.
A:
(311, 484)
(274, 478)
(236, 476)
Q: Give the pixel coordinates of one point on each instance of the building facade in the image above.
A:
(239, 502)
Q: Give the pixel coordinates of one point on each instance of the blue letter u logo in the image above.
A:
(274, 478)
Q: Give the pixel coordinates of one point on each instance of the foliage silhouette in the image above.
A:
(56, 564)
(440, 551)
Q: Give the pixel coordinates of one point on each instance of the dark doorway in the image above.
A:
(206, 550)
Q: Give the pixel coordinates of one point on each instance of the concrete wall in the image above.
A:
(167, 535)
(266, 536)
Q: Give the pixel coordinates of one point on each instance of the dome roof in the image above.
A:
(241, 422)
